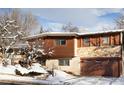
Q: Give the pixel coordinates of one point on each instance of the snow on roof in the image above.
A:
(101, 32)
(72, 33)
(52, 34)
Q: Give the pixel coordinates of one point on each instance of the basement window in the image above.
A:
(105, 40)
(64, 62)
(60, 42)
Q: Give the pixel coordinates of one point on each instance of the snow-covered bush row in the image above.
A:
(9, 69)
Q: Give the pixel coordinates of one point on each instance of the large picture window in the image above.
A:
(64, 62)
(60, 42)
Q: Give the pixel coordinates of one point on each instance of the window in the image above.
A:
(60, 42)
(63, 62)
(106, 40)
(86, 41)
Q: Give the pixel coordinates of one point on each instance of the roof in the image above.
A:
(52, 34)
(72, 33)
(101, 32)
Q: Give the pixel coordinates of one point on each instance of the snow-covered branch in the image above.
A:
(10, 34)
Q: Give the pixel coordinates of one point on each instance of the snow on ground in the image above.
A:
(34, 68)
(59, 77)
(21, 69)
(37, 68)
(7, 75)
(7, 70)
(71, 80)
(62, 78)
(92, 81)
(119, 81)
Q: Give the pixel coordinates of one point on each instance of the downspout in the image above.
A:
(121, 39)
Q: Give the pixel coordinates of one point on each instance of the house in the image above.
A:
(86, 54)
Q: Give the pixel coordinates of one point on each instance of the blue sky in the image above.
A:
(92, 19)
(89, 18)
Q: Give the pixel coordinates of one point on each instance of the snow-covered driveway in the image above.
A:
(64, 78)
(95, 81)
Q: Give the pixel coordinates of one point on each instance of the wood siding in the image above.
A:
(60, 51)
(68, 50)
(97, 39)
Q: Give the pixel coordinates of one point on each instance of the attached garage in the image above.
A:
(101, 66)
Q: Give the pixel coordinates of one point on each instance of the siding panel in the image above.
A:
(59, 51)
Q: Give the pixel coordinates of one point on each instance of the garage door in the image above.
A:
(101, 66)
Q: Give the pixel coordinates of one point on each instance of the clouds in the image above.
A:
(87, 17)
(102, 26)
(76, 16)
(105, 11)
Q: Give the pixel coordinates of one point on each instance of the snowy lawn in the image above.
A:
(7, 75)
(34, 68)
(63, 78)
(9, 69)
(58, 78)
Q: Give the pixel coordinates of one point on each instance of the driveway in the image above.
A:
(96, 81)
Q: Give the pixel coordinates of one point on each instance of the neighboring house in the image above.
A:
(86, 54)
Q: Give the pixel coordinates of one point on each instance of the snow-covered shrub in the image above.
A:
(9, 35)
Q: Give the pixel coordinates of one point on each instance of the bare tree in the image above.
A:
(70, 28)
(120, 22)
(13, 26)
(26, 21)
(42, 30)
(104, 28)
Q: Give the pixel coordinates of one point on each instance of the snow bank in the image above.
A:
(12, 79)
(37, 68)
(119, 81)
(21, 69)
(34, 68)
(11, 69)
(59, 77)
(7, 70)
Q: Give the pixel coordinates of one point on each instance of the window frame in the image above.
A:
(58, 42)
(88, 41)
(105, 42)
(64, 62)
